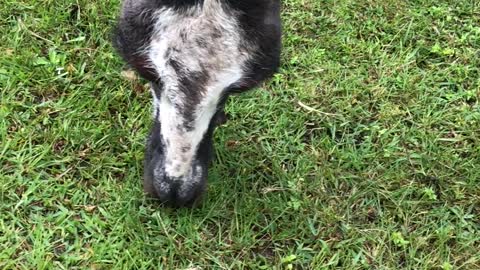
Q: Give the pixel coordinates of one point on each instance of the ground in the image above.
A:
(362, 153)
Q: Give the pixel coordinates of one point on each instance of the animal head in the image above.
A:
(195, 53)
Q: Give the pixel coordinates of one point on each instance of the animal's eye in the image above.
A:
(157, 86)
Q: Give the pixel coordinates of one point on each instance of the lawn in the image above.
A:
(362, 153)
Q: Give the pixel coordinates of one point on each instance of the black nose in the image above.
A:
(184, 191)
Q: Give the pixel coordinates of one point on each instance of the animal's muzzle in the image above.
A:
(186, 189)
(181, 191)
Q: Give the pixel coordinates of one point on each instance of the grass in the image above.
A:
(363, 153)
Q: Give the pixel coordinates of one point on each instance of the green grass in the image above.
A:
(363, 153)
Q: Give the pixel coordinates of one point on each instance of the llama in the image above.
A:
(194, 53)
